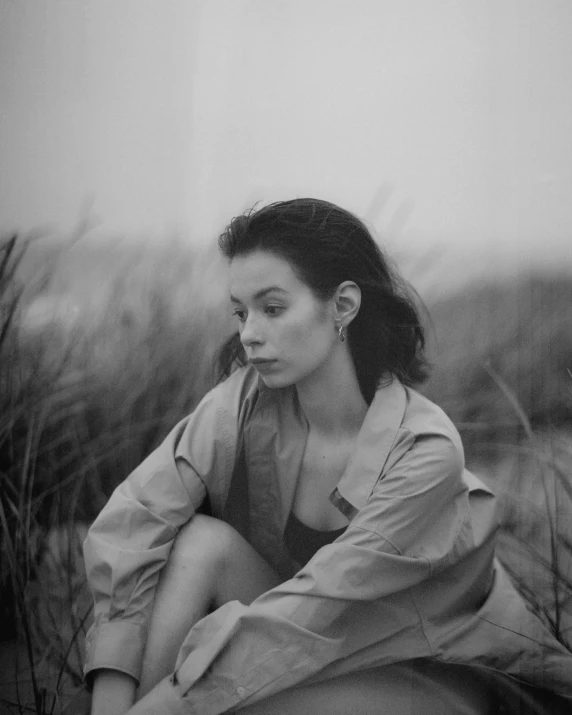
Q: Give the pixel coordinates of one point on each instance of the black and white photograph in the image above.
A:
(285, 357)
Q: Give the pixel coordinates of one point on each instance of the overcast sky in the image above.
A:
(444, 122)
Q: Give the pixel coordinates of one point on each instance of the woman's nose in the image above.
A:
(250, 333)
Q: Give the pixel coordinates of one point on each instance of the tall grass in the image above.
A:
(536, 541)
(101, 353)
(503, 356)
(518, 330)
(103, 347)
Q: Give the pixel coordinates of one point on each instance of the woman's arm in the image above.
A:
(125, 550)
(130, 541)
(113, 693)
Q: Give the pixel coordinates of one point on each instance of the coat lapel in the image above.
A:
(375, 440)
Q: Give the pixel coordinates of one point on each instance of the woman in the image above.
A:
(348, 562)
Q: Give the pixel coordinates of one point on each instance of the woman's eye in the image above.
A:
(240, 314)
(274, 309)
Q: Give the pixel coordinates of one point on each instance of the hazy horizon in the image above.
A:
(445, 124)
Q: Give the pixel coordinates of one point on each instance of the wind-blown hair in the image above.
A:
(326, 245)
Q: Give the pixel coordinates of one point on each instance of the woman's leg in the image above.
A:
(210, 563)
(411, 688)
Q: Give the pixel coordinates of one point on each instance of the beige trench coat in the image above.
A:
(413, 576)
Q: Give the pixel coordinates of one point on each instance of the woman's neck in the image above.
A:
(332, 401)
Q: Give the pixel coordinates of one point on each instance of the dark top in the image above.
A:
(303, 541)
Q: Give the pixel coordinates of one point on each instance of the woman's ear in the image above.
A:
(347, 301)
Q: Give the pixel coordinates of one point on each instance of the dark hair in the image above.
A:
(326, 245)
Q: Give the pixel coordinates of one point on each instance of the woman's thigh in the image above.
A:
(416, 688)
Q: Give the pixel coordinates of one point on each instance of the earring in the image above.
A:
(341, 333)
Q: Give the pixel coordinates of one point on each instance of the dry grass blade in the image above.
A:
(561, 584)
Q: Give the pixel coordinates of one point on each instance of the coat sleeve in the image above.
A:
(240, 654)
(130, 540)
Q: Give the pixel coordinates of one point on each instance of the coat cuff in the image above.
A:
(117, 645)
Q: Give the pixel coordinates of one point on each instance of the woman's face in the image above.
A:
(288, 334)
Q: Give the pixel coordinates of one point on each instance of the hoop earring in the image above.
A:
(341, 333)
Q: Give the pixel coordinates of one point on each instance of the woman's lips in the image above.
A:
(262, 363)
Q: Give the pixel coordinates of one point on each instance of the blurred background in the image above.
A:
(131, 132)
(445, 123)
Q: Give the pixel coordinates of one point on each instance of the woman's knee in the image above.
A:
(228, 565)
(203, 538)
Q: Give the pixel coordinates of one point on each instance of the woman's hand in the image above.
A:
(113, 693)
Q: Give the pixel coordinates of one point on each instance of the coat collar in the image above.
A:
(375, 440)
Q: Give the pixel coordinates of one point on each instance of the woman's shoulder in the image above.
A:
(424, 417)
(210, 432)
(225, 410)
(418, 429)
(240, 387)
